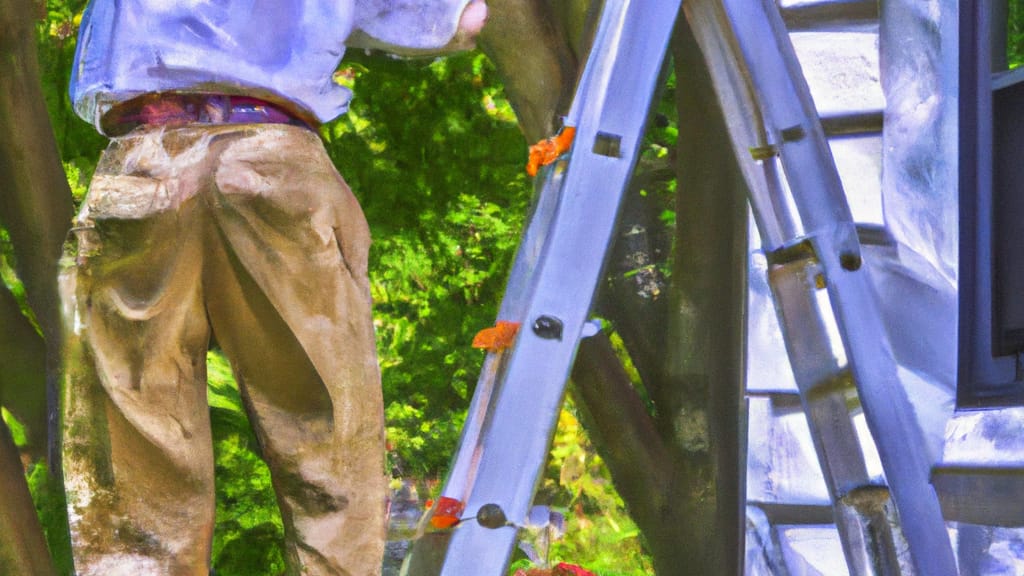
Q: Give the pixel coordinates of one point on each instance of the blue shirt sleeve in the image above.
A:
(413, 24)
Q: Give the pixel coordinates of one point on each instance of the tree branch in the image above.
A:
(618, 421)
(535, 61)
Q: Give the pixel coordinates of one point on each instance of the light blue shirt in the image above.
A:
(279, 50)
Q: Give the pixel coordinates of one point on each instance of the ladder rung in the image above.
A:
(803, 249)
(803, 15)
(840, 384)
(795, 514)
(782, 399)
(860, 122)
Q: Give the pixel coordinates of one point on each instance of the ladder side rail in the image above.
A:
(522, 277)
(466, 460)
(520, 285)
(790, 116)
(836, 446)
(518, 431)
(762, 534)
(517, 291)
(889, 415)
(868, 540)
(598, 62)
(776, 220)
(817, 191)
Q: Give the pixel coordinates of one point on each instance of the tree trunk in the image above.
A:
(35, 203)
(535, 60)
(709, 296)
(35, 208)
(22, 546)
(667, 496)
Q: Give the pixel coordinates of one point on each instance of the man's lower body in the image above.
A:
(248, 233)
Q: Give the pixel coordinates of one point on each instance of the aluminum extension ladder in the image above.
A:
(813, 247)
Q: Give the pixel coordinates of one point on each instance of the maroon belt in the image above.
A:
(176, 109)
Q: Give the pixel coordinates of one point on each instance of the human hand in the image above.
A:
(471, 22)
(474, 16)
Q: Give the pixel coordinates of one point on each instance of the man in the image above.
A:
(216, 211)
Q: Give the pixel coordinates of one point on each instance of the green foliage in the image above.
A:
(77, 181)
(1015, 33)
(51, 507)
(8, 276)
(600, 536)
(249, 536)
(15, 427)
(432, 150)
(78, 141)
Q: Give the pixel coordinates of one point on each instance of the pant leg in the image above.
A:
(138, 460)
(288, 299)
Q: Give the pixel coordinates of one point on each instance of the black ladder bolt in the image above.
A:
(491, 516)
(548, 327)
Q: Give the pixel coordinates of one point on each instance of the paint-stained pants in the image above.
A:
(248, 233)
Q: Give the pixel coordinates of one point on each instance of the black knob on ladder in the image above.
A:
(548, 327)
(491, 516)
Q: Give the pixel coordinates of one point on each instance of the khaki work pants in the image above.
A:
(249, 233)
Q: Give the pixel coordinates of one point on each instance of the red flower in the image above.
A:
(547, 151)
(563, 569)
(497, 338)
(447, 513)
